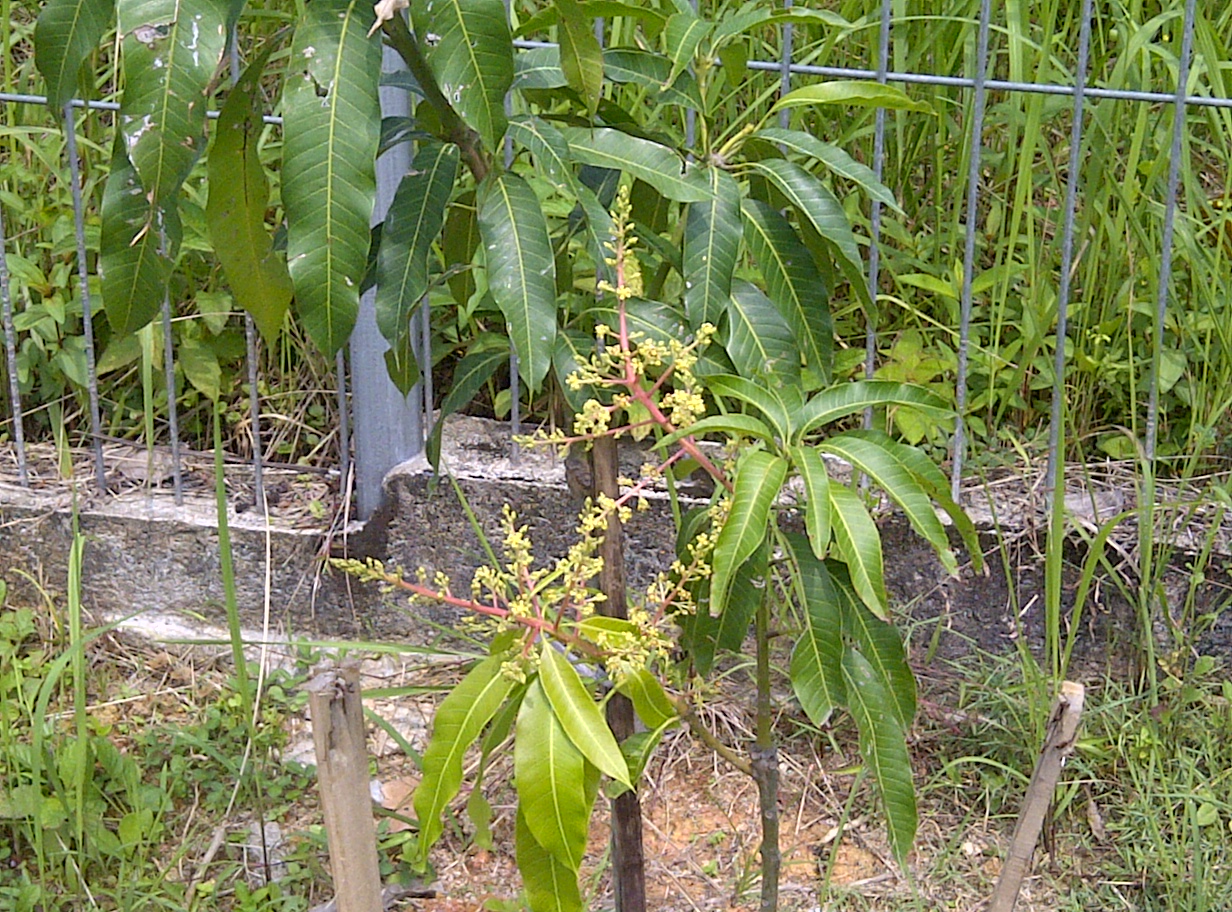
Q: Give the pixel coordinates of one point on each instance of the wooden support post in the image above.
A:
(342, 776)
(1059, 743)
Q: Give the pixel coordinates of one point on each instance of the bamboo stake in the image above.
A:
(1059, 743)
(342, 776)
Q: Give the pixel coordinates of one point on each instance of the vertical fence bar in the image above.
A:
(344, 422)
(173, 415)
(425, 363)
(874, 247)
(789, 33)
(87, 311)
(1056, 429)
(10, 350)
(515, 386)
(972, 215)
(1165, 257)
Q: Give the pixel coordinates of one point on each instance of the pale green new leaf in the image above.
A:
(581, 57)
(834, 158)
(656, 164)
(857, 544)
(759, 340)
(521, 270)
(851, 93)
(847, 399)
(882, 466)
(579, 716)
(458, 722)
(331, 129)
(235, 211)
(816, 479)
(882, 647)
(814, 201)
(711, 250)
(550, 885)
(412, 226)
(793, 282)
(550, 772)
(759, 478)
(651, 702)
(469, 48)
(171, 49)
(66, 33)
(884, 747)
(816, 669)
(133, 270)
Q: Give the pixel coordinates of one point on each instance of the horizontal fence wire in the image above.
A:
(979, 83)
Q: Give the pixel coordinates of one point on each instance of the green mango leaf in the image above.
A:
(711, 250)
(171, 49)
(748, 588)
(458, 244)
(550, 885)
(133, 268)
(649, 161)
(521, 270)
(651, 702)
(846, 399)
(812, 468)
(884, 748)
(816, 669)
(856, 93)
(401, 362)
(759, 340)
(653, 319)
(67, 32)
(813, 200)
(200, 366)
(734, 424)
(857, 544)
(486, 356)
(581, 57)
(759, 478)
(743, 22)
(331, 128)
(880, 644)
(793, 283)
(683, 33)
(652, 71)
(882, 466)
(549, 771)
(835, 159)
(416, 216)
(579, 716)
(458, 722)
(469, 47)
(239, 196)
(538, 68)
(765, 399)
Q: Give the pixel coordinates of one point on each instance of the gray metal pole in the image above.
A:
(388, 425)
(10, 348)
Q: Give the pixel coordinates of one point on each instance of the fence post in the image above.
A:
(388, 426)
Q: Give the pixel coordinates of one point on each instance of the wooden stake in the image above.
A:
(1059, 743)
(342, 776)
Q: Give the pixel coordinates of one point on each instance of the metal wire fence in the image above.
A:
(389, 427)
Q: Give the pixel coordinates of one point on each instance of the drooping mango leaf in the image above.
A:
(469, 47)
(851, 93)
(239, 197)
(550, 885)
(884, 747)
(711, 250)
(812, 468)
(759, 478)
(579, 715)
(171, 49)
(549, 770)
(486, 355)
(581, 57)
(458, 722)
(857, 544)
(331, 128)
(412, 226)
(748, 588)
(882, 466)
(521, 270)
(759, 339)
(66, 33)
(816, 669)
(136, 248)
(846, 399)
(458, 244)
(834, 158)
(793, 283)
(652, 162)
(651, 702)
